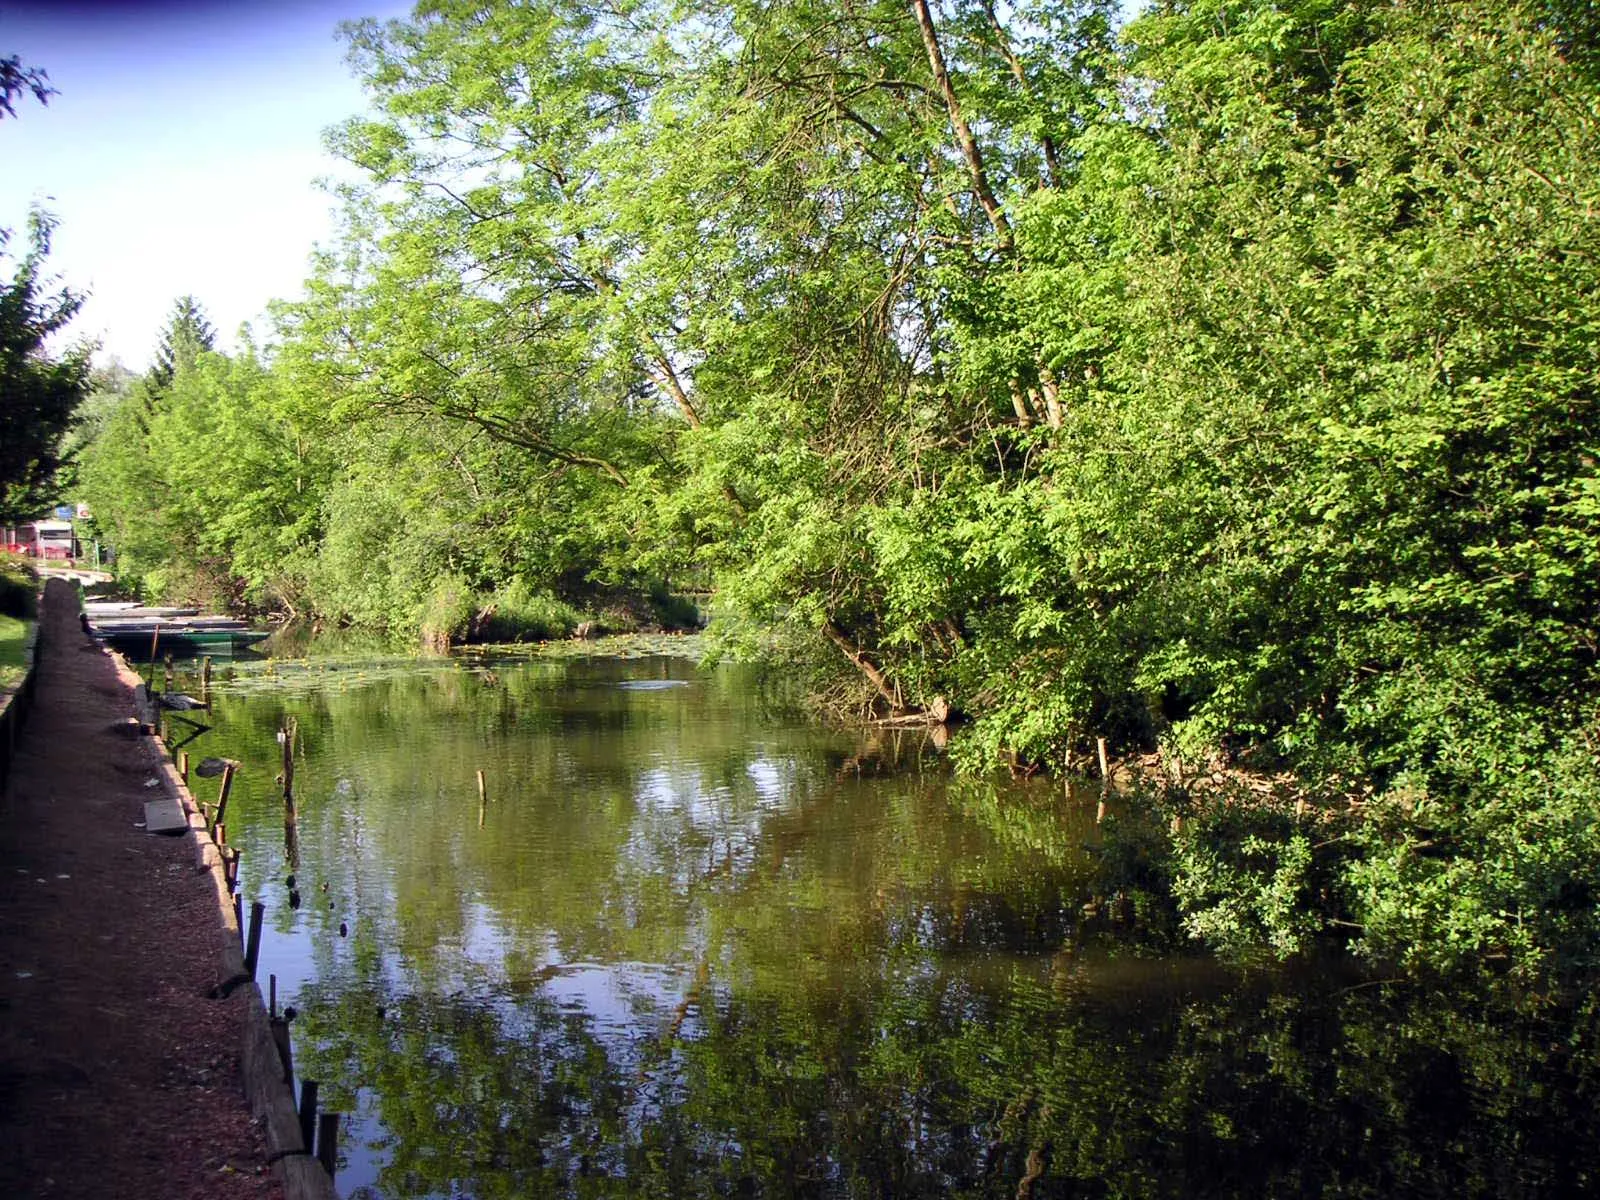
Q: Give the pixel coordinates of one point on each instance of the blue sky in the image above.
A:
(181, 154)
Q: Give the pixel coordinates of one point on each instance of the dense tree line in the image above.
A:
(1223, 384)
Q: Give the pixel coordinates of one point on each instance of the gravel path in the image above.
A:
(118, 1076)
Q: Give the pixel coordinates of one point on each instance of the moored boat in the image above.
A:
(181, 641)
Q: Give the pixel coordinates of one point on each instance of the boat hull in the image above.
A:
(180, 642)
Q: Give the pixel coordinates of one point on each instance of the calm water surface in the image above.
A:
(691, 947)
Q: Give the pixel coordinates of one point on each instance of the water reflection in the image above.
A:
(696, 949)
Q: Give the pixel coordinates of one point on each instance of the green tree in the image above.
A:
(40, 389)
(187, 335)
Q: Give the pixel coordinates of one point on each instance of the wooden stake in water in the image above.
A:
(205, 680)
(483, 798)
(155, 641)
(280, 1039)
(328, 1141)
(222, 796)
(286, 743)
(252, 946)
(308, 1112)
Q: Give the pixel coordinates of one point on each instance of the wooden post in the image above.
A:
(222, 796)
(483, 799)
(166, 672)
(280, 1039)
(183, 765)
(155, 640)
(205, 680)
(272, 996)
(252, 947)
(238, 914)
(286, 741)
(328, 1141)
(308, 1112)
(1105, 766)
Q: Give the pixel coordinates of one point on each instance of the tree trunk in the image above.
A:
(969, 144)
(862, 663)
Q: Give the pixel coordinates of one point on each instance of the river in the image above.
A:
(691, 945)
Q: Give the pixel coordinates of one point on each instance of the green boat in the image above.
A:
(216, 640)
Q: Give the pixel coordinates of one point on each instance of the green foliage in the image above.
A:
(19, 589)
(40, 387)
(215, 479)
(19, 595)
(517, 613)
(188, 334)
(1226, 387)
(1247, 884)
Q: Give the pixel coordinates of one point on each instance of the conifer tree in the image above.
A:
(188, 334)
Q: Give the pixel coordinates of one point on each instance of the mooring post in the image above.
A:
(222, 796)
(286, 734)
(252, 948)
(308, 1112)
(280, 1039)
(328, 1141)
(205, 680)
(1105, 779)
(272, 996)
(155, 640)
(483, 798)
(183, 765)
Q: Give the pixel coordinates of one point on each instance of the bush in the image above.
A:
(19, 590)
(447, 613)
(518, 613)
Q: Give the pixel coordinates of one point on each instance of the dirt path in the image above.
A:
(118, 1076)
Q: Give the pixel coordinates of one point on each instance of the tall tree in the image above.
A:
(38, 392)
(187, 335)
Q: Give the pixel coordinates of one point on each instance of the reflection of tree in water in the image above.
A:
(843, 985)
(914, 1082)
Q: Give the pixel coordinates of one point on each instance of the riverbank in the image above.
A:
(119, 1075)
